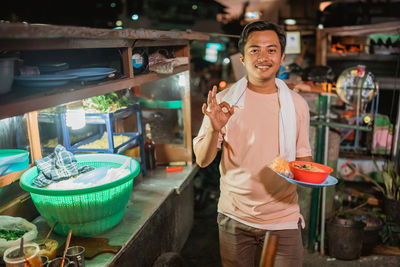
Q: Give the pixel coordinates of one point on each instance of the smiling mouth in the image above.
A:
(263, 67)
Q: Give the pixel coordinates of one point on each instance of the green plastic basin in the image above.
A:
(87, 211)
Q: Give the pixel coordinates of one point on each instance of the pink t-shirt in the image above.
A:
(250, 191)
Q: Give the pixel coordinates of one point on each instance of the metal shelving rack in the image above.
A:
(323, 41)
(107, 119)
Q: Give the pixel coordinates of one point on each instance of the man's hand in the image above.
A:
(219, 114)
(309, 158)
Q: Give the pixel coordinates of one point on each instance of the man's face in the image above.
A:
(262, 56)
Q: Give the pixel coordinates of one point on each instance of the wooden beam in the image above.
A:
(187, 116)
(183, 51)
(10, 178)
(392, 27)
(155, 43)
(33, 135)
(43, 31)
(318, 50)
(56, 44)
(126, 54)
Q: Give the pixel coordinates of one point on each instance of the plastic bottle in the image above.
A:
(149, 149)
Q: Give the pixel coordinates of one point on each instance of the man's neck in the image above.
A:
(263, 87)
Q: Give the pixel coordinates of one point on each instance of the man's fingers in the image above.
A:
(214, 90)
(231, 110)
(209, 98)
(204, 109)
(226, 108)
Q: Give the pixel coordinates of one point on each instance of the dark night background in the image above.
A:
(183, 14)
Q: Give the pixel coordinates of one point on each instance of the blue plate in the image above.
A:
(52, 67)
(330, 180)
(89, 74)
(44, 80)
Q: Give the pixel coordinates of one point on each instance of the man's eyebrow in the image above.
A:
(256, 46)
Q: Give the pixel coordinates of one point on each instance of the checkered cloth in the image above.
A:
(59, 165)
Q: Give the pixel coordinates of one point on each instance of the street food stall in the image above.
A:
(89, 93)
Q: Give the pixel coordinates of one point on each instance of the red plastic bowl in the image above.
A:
(308, 176)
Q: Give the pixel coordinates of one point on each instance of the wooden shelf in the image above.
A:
(18, 102)
(391, 27)
(388, 83)
(152, 76)
(22, 36)
(324, 37)
(360, 56)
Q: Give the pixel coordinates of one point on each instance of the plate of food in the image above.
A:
(304, 173)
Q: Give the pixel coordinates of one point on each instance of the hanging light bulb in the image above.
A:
(182, 80)
(75, 116)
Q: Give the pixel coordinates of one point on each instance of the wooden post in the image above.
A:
(33, 135)
(321, 47)
(187, 117)
(269, 250)
(126, 54)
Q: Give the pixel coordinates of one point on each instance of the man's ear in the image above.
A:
(242, 59)
(283, 58)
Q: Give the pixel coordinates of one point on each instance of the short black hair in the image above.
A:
(261, 25)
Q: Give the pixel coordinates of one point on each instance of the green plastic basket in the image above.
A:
(87, 211)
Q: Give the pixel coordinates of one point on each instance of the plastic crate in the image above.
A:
(87, 211)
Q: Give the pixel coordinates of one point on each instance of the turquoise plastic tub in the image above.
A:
(87, 211)
(12, 160)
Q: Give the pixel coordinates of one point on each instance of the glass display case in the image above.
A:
(165, 109)
(81, 48)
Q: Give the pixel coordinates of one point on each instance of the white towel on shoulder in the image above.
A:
(287, 114)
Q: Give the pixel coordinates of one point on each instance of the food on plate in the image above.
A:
(309, 172)
(280, 165)
(308, 167)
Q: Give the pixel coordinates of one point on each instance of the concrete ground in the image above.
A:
(202, 249)
(314, 260)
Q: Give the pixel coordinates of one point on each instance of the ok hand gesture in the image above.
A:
(219, 114)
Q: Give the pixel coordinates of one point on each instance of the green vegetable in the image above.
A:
(105, 103)
(11, 234)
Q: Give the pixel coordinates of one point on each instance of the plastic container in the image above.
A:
(308, 176)
(12, 160)
(345, 238)
(86, 211)
(49, 249)
(6, 74)
(391, 208)
(16, 223)
(31, 257)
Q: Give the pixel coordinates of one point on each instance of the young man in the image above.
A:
(256, 120)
